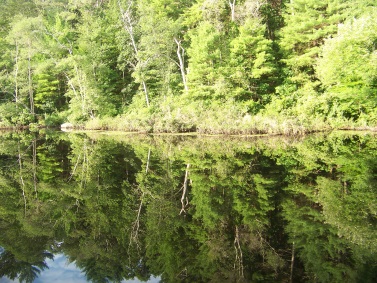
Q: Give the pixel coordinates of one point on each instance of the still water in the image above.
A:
(129, 208)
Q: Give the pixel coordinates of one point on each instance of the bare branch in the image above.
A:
(239, 256)
(181, 58)
(128, 25)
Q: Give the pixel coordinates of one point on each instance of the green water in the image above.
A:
(190, 209)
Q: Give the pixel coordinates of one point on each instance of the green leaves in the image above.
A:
(252, 66)
(158, 65)
(307, 25)
(349, 58)
(348, 67)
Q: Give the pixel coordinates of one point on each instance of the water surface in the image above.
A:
(188, 209)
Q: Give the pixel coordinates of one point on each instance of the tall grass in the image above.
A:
(227, 118)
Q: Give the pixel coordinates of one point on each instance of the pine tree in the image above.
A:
(307, 24)
(252, 65)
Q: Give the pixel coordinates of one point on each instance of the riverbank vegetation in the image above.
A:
(210, 66)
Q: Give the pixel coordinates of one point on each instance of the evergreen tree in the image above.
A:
(252, 65)
(307, 24)
(205, 58)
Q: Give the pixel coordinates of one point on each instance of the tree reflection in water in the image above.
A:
(190, 209)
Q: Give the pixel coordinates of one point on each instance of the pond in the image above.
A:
(103, 207)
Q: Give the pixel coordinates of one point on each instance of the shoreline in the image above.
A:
(242, 134)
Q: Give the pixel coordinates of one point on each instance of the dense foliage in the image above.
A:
(189, 65)
(190, 209)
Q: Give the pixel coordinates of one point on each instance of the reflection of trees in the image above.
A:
(24, 271)
(193, 210)
(222, 236)
(318, 205)
(103, 187)
(24, 254)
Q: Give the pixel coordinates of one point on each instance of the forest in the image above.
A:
(206, 66)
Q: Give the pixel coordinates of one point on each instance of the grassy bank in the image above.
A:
(229, 119)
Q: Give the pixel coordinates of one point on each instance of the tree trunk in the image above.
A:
(34, 145)
(16, 76)
(128, 26)
(30, 82)
(148, 159)
(292, 261)
(84, 108)
(22, 183)
(232, 5)
(184, 199)
(145, 92)
(181, 58)
(239, 256)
